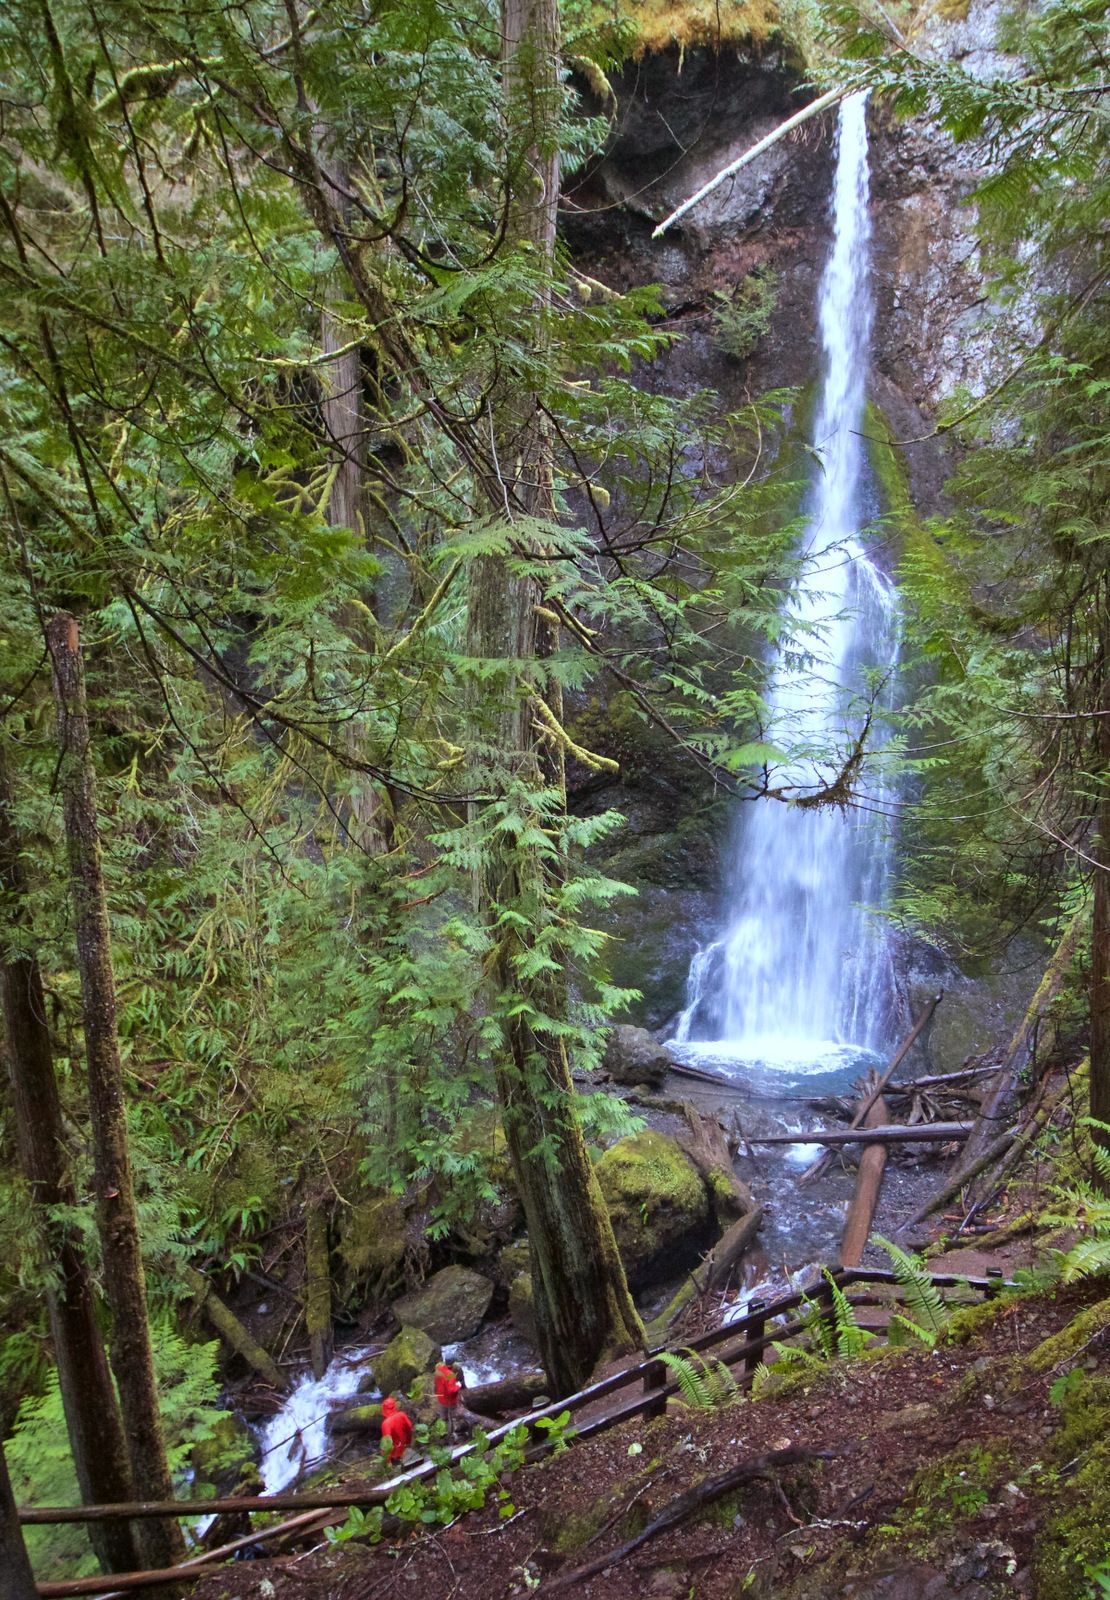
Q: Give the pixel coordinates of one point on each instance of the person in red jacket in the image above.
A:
(448, 1389)
(396, 1427)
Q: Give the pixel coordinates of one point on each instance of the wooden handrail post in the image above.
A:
(755, 1326)
(655, 1378)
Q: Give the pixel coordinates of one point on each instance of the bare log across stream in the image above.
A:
(817, 1168)
(888, 1133)
(518, 1393)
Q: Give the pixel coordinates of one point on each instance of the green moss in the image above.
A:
(657, 1201)
(1074, 1538)
(969, 1322)
(1063, 1346)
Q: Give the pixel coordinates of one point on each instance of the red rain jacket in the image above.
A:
(448, 1387)
(397, 1428)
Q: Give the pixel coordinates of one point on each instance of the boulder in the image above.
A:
(404, 1359)
(449, 1307)
(658, 1203)
(632, 1056)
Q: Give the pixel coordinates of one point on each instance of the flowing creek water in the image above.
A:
(795, 996)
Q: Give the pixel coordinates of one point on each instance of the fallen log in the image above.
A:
(518, 1393)
(705, 1143)
(998, 1149)
(703, 1494)
(1001, 1104)
(232, 1331)
(711, 1274)
(938, 1080)
(703, 1075)
(821, 1165)
(869, 1179)
(888, 1133)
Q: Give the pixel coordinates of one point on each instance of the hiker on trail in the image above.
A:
(396, 1427)
(448, 1389)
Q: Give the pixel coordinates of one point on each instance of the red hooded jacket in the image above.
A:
(396, 1427)
(448, 1387)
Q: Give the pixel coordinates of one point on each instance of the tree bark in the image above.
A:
(317, 1302)
(88, 1398)
(1100, 914)
(161, 1543)
(16, 1579)
(584, 1311)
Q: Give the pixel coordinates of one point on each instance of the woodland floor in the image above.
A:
(932, 1487)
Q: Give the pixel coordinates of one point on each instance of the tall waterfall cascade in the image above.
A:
(802, 962)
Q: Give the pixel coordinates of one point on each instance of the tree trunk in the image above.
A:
(1100, 918)
(317, 1300)
(117, 1220)
(584, 1312)
(16, 1579)
(88, 1398)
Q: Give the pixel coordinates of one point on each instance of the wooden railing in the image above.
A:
(738, 1344)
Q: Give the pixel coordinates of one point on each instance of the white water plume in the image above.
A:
(801, 962)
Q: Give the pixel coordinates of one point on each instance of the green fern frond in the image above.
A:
(851, 1341)
(924, 1313)
(705, 1385)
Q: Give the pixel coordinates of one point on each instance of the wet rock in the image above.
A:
(404, 1359)
(449, 1307)
(658, 1204)
(632, 1056)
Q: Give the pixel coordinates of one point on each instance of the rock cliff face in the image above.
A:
(680, 119)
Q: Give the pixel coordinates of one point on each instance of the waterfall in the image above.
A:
(800, 961)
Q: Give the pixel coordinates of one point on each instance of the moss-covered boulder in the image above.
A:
(449, 1306)
(404, 1359)
(365, 1420)
(658, 1203)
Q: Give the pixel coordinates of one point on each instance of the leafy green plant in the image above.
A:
(41, 1465)
(1085, 1207)
(924, 1312)
(743, 317)
(705, 1385)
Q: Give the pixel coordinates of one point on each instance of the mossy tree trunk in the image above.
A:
(16, 1580)
(161, 1544)
(88, 1398)
(584, 1311)
(317, 1288)
(1100, 922)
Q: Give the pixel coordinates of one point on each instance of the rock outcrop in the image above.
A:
(450, 1306)
(407, 1357)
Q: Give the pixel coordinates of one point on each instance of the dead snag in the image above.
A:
(869, 1178)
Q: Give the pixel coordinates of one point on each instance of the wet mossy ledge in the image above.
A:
(658, 24)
